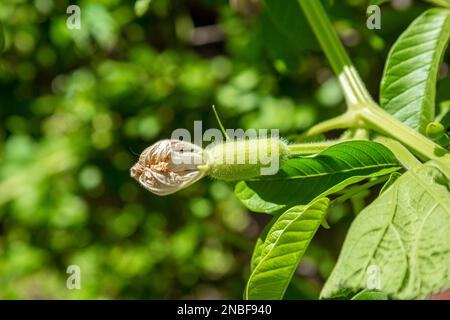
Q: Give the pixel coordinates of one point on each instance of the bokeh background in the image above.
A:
(78, 106)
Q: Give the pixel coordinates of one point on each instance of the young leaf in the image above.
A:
(342, 294)
(258, 250)
(370, 295)
(392, 178)
(405, 235)
(408, 87)
(285, 244)
(366, 294)
(301, 180)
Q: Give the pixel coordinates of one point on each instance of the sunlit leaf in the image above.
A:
(300, 180)
(284, 246)
(405, 235)
(408, 87)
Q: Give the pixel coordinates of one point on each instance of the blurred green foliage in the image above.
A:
(78, 106)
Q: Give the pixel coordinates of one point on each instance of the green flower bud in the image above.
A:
(435, 130)
(246, 159)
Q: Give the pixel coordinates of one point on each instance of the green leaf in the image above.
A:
(370, 295)
(392, 178)
(301, 180)
(258, 250)
(284, 246)
(405, 235)
(408, 87)
(366, 294)
(342, 294)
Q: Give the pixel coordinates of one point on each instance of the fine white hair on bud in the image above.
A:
(168, 166)
(246, 159)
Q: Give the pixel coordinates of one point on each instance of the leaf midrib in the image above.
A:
(385, 165)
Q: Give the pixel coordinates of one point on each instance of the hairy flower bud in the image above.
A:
(246, 159)
(168, 166)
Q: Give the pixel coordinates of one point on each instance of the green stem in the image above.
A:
(216, 114)
(362, 110)
(400, 152)
(361, 134)
(380, 120)
(340, 122)
(335, 52)
(327, 36)
(348, 134)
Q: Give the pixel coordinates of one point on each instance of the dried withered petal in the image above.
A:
(168, 166)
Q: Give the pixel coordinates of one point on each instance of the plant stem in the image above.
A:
(325, 33)
(400, 152)
(362, 110)
(361, 134)
(216, 114)
(343, 121)
(335, 52)
(378, 119)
